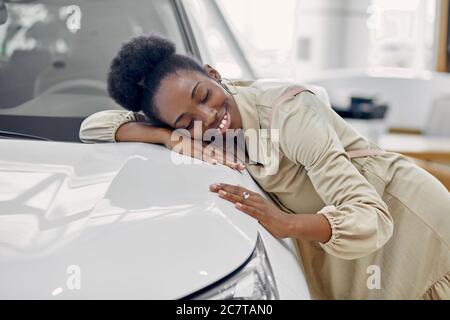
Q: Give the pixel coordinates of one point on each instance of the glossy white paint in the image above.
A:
(136, 225)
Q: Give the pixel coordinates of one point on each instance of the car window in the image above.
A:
(217, 44)
(49, 42)
(55, 54)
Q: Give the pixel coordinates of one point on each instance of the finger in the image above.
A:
(230, 159)
(230, 163)
(236, 189)
(218, 158)
(254, 212)
(211, 161)
(232, 188)
(239, 198)
(236, 165)
(223, 157)
(214, 188)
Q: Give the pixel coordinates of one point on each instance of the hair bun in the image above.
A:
(136, 58)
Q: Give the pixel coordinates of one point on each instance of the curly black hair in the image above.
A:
(139, 67)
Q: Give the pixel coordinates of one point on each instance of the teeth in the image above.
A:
(223, 122)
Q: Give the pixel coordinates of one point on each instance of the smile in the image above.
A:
(225, 122)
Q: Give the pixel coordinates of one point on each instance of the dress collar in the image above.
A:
(246, 101)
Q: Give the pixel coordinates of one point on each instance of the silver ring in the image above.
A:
(246, 195)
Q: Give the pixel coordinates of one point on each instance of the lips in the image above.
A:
(224, 123)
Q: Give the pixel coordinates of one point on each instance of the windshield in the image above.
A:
(55, 54)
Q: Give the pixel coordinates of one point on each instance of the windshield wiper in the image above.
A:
(11, 135)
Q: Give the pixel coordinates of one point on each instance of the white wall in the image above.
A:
(266, 31)
(331, 35)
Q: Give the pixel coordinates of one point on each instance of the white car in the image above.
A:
(123, 221)
(109, 221)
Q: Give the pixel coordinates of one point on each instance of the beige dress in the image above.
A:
(390, 219)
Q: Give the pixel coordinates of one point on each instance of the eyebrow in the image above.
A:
(192, 97)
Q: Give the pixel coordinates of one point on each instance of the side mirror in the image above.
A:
(3, 13)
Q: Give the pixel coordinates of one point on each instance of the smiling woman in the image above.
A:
(174, 90)
(349, 211)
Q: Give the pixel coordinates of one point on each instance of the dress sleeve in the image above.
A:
(102, 126)
(359, 218)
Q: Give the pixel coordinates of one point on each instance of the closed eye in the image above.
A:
(191, 124)
(206, 96)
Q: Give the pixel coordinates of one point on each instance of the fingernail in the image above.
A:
(214, 186)
(223, 193)
(238, 205)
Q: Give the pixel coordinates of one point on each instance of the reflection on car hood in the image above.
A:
(113, 221)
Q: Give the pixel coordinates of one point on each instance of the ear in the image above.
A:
(213, 73)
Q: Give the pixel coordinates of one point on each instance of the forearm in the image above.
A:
(142, 132)
(310, 227)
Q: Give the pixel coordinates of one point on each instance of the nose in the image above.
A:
(209, 116)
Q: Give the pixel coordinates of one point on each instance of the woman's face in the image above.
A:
(189, 96)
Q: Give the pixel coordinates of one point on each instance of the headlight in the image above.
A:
(253, 281)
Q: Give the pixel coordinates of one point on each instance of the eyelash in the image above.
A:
(206, 97)
(191, 124)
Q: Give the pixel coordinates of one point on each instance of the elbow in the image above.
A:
(83, 134)
(87, 133)
(354, 239)
(99, 127)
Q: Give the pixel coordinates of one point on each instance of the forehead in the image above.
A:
(175, 94)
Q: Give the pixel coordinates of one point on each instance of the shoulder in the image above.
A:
(306, 100)
(263, 91)
(303, 112)
(268, 91)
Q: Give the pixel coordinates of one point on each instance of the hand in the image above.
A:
(203, 151)
(276, 221)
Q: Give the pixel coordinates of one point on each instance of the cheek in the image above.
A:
(235, 115)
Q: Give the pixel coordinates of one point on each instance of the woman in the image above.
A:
(354, 220)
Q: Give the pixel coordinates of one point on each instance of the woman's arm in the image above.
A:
(125, 126)
(122, 126)
(310, 227)
(359, 219)
(143, 132)
(103, 126)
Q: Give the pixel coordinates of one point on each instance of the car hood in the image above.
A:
(114, 221)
